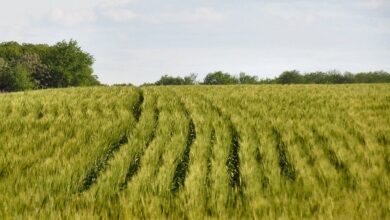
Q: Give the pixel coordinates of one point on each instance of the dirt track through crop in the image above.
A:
(100, 165)
(182, 167)
(233, 160)
(136, 162)
(92, 175)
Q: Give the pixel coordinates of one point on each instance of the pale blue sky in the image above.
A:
(136, 41)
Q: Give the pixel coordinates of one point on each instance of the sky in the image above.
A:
(137, 41)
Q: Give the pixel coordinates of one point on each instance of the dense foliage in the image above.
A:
(219, 78)
(287, 77)
(171, 80)
(39, 66)
(196, 152)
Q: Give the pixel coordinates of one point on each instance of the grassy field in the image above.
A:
(272, 151)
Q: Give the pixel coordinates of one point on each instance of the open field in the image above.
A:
(272, 151)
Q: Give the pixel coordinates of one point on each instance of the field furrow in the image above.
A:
(100, 165)
(182, 168)
(136, 160)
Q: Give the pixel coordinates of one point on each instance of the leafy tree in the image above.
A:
(290, 77)
(61, 65)
(316, 77)
(190, 79)
(171, 80)
(372, 77)
(266, 81)
(39, 71)
(23, 78)
(3, 63)
(219, 78)
(69, 65)
(10, 51)
(246, 79)
(123, 84)
(336, 77)
(16, 79)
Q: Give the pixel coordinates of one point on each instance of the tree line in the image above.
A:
(65, 64)
(287, 77)
(40, 66)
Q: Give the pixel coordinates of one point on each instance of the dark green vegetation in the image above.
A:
(195, 152)
(287, 77)
(40, 66)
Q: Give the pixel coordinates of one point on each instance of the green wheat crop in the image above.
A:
(196, 152)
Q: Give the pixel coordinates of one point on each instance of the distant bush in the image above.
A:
(372, 77)
(287, 77)
(171, 80)
(123, 84)
(220, 78)
(247, 79)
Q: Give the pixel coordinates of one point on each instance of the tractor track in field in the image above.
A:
(233, 160)
(101, 164)
(135, 165)
(137, 108)
(136, 161)
(347, 179)
(287, 169)
(311, 159)
(346, 176)
(182, 167)
(208, 178)
(233, 163)
(265, 182)
(259, 157)
(208, 171)
(237, 196)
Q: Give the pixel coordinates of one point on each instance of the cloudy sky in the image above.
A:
(137, 41)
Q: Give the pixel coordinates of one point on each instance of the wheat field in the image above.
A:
(196, 152)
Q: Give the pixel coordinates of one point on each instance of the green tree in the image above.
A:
(247, 79)
(172, 80)
(316, 77)
(61, 65)
(190, 79)
(23, 78)
(219, 78)
(3, 63)
(290, 77)
(69, 65)
(39, 72)
(10, 51)
(372, 77)
(16, 79)
(336, 77)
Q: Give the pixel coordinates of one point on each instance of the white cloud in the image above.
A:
(198, 15)
(373, 4)
(112, 3)
(72, 18)
(201, 14)
(121, 15)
